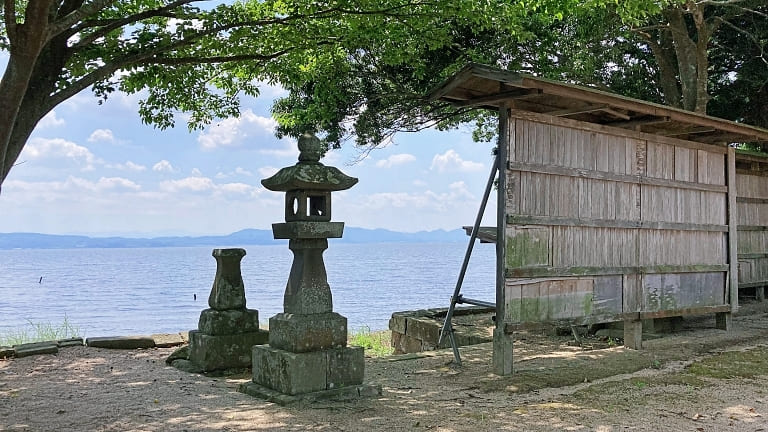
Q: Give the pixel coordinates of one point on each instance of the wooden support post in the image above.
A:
(760, 293)
(633, 334)
(502, 341)
(723, 321)
(503, 351)
(733, 257)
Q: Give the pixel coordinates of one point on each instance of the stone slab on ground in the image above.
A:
(70, 342)
(37, 348)
(7, 352)
(211, 353)
(337, 394)
(121, 342)
(166, 340)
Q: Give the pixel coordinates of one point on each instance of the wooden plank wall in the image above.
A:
(602, 222)
(752, 217)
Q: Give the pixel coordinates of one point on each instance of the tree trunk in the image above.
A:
(685, 51)
(13, 87)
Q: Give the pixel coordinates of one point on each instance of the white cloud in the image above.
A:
(104, 135)
(193, 184)
(196, 172)
(163, 166)
(451, 161)
(50, 121)
(243, 171)
(72, 185)
(128, 166)
(197, 184)
(287, 149)
(39, 148)
(233, 132)
(267, 171)
(396, 159)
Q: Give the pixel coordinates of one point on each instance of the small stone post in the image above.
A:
(227, 330)
(308, 356)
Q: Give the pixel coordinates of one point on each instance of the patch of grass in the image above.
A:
(40, 332)
(375, 343)
(733, 364)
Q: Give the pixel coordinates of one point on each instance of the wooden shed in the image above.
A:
(614, 209)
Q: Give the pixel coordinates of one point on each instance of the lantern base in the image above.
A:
(293, 374)
(301, 333)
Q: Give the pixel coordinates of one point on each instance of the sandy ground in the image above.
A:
(698, 379)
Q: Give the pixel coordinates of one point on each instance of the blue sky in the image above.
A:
(97, 170)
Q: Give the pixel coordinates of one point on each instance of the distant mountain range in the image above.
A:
(243, 237)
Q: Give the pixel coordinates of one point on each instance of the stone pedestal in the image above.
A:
(228, 330)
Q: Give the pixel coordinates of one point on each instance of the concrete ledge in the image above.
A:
(337, 394)
(30, 349)
(121, 342)
(6, 352)
(167, 340)
(63, 343)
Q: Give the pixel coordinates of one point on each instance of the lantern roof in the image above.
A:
(309, 173)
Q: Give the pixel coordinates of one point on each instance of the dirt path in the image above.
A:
(700, 379)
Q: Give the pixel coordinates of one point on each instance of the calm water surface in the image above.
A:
(143, 291)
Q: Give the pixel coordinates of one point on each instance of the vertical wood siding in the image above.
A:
(601, 223)
(752, 217)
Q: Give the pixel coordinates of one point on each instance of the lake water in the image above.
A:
(143, 291)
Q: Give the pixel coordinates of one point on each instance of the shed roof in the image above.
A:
(489, 87)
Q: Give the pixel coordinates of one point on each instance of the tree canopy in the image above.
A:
(362, 68)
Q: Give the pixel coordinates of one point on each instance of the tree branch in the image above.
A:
(72, 18)
(215, 59)
(117, 23)
(9, 7)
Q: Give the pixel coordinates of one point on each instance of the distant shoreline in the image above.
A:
(14, 241)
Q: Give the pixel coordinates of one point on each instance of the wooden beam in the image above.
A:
(496, 97)
(612, 223)
(622, 178)
(632, 124)
(687, 132)
(574, 111)
(615, 113)
(597, 271)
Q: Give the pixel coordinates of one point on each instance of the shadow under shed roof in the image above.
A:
(488, 87)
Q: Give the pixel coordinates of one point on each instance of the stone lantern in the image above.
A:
(307, 352)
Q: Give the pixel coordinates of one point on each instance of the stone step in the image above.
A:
(121, 342)
(36, 348)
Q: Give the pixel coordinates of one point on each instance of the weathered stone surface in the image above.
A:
(307, 230)
(186, 366)
(181, 353)
(6, 352)
(121, 342)
(228, 291)
(166, 340)
(223, 322)
(303, 333)
(346, 367)
(337, 394)
(70, 342)
(211, 352)
(37, 348)
(424, 330)
(288, 372)
(403, 344)
(397, 323)
(309, 173)
(307, 290)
